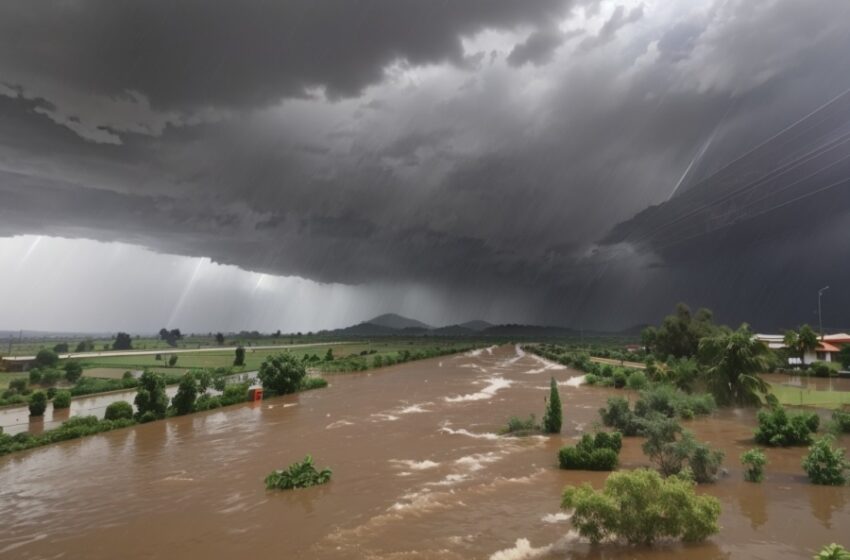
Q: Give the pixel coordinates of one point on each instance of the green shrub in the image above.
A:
(62, 400)
(119, 410)
(38, 403)
(841, 421)
(282, 373)
(207, 402)
(823, 369)
(91, 385)
(74, 428)
(591, 379)
(641, 507)
(518, 426)
(705, 463)
(778, 428)
(51, 392)
(19, 385)
(592, 453)
(754, 461)
(172, 361)
(833, 552)
(672, 402)
(298, 475)
(35, 376)
(183, 401)
(619, 379)
(674, 449)
(50, 377)
(46, 358)
(235, 393)
(151, 400)
(73, 371)
(637, 381)
(313, 382)
(825, 464)
(148, 416)
(618, 415)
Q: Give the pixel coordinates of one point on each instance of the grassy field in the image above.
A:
(253, 358)
(5, 377)
(29, 347)
(793, 396)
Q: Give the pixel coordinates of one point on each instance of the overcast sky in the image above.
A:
(303, 165)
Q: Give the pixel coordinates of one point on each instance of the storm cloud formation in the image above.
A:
(486, 150)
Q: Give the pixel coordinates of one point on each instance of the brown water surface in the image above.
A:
(418, 473)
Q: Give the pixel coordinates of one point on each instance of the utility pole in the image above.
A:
(820, 319)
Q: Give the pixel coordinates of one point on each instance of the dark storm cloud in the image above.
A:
(470, 147)
(243, 53)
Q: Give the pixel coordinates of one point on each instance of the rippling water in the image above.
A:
(418, 473)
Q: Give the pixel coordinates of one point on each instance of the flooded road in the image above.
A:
(418, 473)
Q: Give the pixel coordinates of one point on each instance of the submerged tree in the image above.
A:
(151, 401)
(553, 417)
(641, 507)
(734, 359)
(282, 373)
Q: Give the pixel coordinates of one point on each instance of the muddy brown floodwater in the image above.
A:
(418, 473)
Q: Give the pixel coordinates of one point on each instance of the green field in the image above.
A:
(253, 358)
(5, 377)
(793, 396)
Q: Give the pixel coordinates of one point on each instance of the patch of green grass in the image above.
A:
(5, 377)
(794, 396)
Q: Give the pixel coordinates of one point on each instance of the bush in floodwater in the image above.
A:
(672, 402)
(620, 379)
(640, 506)
(150, 398)
(183, 401)
(592, 453)
(553, 416)
(119, 410)
(282, 373)
(823, 369)
(18, 385)
(841, 421)
(299, 475)
(754, 461)
(518, 426)
(591, 379)
(833, 552)
(62, 399)
(38, 403)
(619, 416)
(313, 382)
(637, 381)
(673, 449)
(778, 428)
(825, 464)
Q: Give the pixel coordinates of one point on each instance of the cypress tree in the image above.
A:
(553, 416)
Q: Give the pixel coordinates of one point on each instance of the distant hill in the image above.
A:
(391, 324)
(476, 325)
(393, 321)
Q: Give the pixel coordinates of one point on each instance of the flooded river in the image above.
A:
(418, 473)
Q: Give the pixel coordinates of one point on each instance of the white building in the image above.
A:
(827, 351)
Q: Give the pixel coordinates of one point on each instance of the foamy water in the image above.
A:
(415, 465)
(494, 385)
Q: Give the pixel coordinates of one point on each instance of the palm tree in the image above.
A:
(806, 340)
(734, 359)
